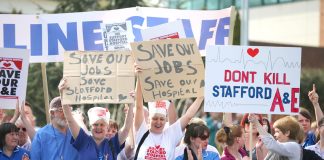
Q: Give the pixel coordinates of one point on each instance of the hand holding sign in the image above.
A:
(169, 69)
(313, 96)
(62, 86)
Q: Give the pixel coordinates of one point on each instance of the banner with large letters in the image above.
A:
(49, 35)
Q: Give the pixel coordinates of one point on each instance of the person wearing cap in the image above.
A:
(159, 143)
(96, 146)
(52, 141)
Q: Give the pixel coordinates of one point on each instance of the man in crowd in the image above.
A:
(52, 142)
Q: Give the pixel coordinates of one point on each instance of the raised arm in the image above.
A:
(172, 113)
(16, 114)
(252, 118)
(123, 132)
(313, 97)
(67, 109)
(227, 119)
(192, 110)
(27, 122)
(139, 111)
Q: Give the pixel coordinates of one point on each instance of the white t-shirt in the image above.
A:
(159, 146)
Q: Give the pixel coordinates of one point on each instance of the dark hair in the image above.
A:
(196, 130)
(320, 122)
(305, 113)
(113, 124)
(27, 104)
(6, 128)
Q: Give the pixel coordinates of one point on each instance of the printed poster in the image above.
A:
(117, 36)
(13, 76)
(171, 30)
(252, 79)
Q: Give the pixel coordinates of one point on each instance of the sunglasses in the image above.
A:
(204, 137)
(23, 129)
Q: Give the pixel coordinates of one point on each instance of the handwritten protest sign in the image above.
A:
(172, 69)
(252, 79)
(172, 30)
(117, 36)
(13, 76)
(98, 77)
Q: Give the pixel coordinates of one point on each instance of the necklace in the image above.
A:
(57, 143)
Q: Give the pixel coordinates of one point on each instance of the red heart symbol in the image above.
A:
(253, 52)
(157, 147)
(7, 65)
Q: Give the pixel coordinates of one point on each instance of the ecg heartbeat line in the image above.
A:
(220, 103)
(224, 104)
(269, 63)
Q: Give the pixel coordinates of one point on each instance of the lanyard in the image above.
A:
(57, 143)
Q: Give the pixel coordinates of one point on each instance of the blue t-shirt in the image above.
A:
(51, 144)
(88, 149)
(309, 140)
(17, 154)
(210, 153)
(207, 155)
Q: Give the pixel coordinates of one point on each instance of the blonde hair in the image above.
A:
(290, 124)
(227, 135)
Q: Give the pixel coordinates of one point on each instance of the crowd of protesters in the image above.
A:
(155, 133)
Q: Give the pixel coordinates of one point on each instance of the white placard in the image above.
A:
(13, 76)
(170, 30)
(117, 36)
(252, 79)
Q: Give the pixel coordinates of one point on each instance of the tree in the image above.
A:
(35, 94)
(67, 6)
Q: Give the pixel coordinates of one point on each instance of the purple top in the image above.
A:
(227, 155)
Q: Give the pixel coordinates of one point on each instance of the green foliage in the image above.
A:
(68, 6)
(308, 78)
(237, 30)
(35, 94)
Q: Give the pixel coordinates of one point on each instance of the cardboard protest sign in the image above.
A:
(49, 35)
(13, 76)
(172, 30)
(117, 36)
(172, 69)
(98, 77)
(250, 79)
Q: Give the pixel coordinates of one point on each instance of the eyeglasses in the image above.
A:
(23, 129)
(57, 109)
(60, 109)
